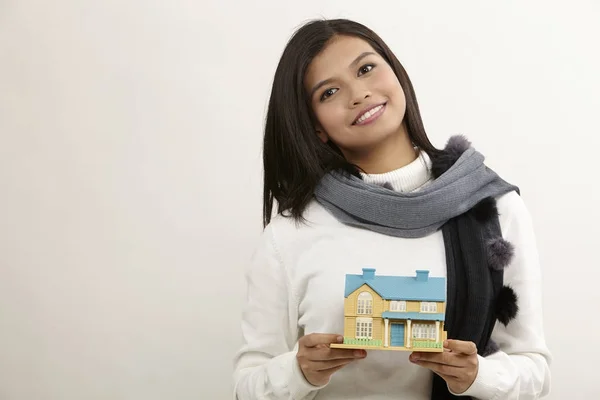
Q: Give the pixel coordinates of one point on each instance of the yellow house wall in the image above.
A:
(415, 306)
(350, 327)
(351, 303)
(441, 306)
(350, 308)
(379, 306)
(378, 329)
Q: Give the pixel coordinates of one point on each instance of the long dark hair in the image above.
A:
(294, 158)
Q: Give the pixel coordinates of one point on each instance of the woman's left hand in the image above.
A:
(457, 365)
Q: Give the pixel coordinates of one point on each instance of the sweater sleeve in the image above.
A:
(520, 370)
(266, 367)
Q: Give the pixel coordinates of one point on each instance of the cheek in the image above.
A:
(390, 85)
(332, 117)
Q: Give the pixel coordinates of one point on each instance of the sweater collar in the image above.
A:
(409, 178)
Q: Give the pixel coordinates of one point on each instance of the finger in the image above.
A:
(315, 339)
(445, 358)
(334, 354)
(331, 371)
(322, 366)
(443, 370)
(459, 346)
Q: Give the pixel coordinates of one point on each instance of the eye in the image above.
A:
(365, 68)
(327, 93)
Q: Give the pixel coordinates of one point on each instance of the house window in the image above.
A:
(365, 303)
(364, 328)
(428, 307)
(399, 306)
(423, 331)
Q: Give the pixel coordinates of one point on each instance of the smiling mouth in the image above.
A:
(370, 115)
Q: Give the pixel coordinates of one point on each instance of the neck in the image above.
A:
(394, 153)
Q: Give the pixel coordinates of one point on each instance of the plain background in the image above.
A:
(130, 173)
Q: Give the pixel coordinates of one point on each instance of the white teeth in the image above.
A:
(369, 113)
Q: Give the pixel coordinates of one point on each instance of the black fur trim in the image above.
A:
(491, 348)
(485, 210)
(454, 148)
(500, 253)
(506, 305)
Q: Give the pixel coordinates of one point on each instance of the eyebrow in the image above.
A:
(352, 64)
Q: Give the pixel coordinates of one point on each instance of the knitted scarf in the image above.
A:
(461, 202)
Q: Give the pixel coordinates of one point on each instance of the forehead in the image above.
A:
(335, 58)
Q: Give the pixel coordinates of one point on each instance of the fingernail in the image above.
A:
(360, 353)
(340, 339)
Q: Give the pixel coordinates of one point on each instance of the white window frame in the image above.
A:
(428, 307)
(423, 331)
(398, 306)
(364, 328)
(364, 304)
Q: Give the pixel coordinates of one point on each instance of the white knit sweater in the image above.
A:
(295, 286)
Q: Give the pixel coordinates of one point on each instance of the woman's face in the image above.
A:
(355, 95)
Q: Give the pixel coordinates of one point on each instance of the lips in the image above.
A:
(367, 113)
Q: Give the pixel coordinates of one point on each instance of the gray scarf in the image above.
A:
(411, 215)
(461, 202)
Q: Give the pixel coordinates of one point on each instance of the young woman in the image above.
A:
(358, 184)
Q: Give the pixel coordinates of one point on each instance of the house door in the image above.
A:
(397, 335)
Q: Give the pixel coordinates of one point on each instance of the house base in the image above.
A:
(389, 348)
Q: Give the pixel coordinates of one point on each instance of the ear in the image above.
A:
(322, 135)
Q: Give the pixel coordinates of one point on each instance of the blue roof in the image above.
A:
(419, 287)
(413, 315)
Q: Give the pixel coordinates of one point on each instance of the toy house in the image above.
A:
(403, 313)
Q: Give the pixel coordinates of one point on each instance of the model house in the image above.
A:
(394, 312)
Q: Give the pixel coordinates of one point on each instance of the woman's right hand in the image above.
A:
(318, 361)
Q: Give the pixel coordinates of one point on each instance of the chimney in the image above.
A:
(422, 275)
(368, 273)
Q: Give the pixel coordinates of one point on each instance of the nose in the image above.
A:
(359, 95)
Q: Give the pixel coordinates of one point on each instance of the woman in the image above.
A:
(357, 184)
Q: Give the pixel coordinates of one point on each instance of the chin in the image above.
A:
(384, 130)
